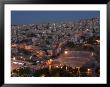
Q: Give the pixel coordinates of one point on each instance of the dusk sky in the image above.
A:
(30, 17)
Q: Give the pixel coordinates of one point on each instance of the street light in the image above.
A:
(89, 73)
(88, 70)
(66, 68)
(87, 29)
(56, 66)
(66, 52)
(14, 58)
(49, 62)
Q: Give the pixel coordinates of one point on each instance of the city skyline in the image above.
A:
(34, 17)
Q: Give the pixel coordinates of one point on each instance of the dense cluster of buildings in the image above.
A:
(51, 33)
(47, 39)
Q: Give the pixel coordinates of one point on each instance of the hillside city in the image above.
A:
(56, 49)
